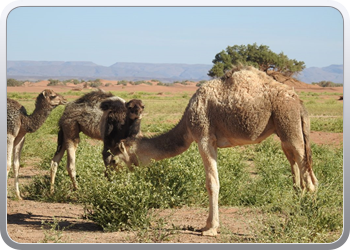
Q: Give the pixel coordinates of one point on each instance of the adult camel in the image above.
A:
(244, 107)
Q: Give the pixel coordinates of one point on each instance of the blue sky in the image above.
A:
(192, 35)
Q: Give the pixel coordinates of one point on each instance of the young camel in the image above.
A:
(19, 123)
(245, 107)
(82, 115)
(119, 121)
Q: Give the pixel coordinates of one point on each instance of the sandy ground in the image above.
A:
(27, 221)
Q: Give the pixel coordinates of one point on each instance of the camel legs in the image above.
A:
(10, 142)
(54, 164)
(294, 166)
(303, 176)
(107, 159)
(208, 153)
(14, 147)
(68, 140)
(71, 146)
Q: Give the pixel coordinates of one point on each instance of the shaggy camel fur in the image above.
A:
(118, 122)
(19, 123)
(82, 115)
(243, 108)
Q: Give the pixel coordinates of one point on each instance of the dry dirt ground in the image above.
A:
(28, 221)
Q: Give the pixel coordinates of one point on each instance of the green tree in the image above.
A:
(96, 83)
(13, 82)
(53, 82)
(260, 57)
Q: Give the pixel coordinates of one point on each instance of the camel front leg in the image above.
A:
(208, 153)
(107, 159)
(10, 141)
(17, 150)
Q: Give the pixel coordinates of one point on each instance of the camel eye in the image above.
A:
(52, 97)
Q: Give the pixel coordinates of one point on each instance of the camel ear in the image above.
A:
(142, 105)
(47, 92)
(130, 104)
(122, 147)
(44, 93)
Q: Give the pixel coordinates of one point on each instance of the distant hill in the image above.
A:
(22, 70)
(167, 72)
(333, 73)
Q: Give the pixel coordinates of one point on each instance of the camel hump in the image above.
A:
(116, 105)
(93, 97)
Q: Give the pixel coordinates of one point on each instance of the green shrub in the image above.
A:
(122, 82)
(53, 82)
(124, 201)
(13, 82)
(96, 83)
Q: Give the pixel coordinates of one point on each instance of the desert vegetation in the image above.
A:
(327, 84)
(260, 57)
(255, 179)
(13, 82)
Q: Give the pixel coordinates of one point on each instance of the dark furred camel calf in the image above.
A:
(82, 115)
(120, 120)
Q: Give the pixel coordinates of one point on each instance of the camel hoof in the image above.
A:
(209, 232)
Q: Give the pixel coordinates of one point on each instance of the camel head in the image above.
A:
(135, 108)
(124, 153)
(52, 98)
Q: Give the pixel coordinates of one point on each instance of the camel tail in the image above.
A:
(59, 141)
(305, 124)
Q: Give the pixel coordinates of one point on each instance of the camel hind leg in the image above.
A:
(61, 148)
(291, 156)
(71, 147)
(54, 165)
(294, 134)
(303, 176)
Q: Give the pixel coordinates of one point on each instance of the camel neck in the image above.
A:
(169, 144)
(34, 121)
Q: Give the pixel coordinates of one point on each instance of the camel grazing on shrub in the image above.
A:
(82, 115)
(119, 121)
(19, 123)
(244, 107)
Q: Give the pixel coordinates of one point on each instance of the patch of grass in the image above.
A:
(327, 124)
(317, 107)
(22, 96)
